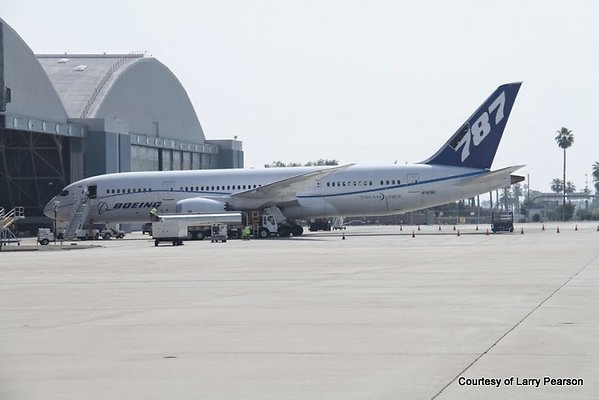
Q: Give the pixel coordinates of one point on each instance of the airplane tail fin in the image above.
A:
(475, 143)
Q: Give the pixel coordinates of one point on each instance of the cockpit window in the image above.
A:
(64, 193)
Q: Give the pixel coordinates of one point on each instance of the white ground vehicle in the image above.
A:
(174, 231)
(176, 228)
(112, 232)
(199, 226)
(87, 234)
(44, 236)
(218, 233)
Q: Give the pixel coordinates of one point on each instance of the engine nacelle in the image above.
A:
(198, 205)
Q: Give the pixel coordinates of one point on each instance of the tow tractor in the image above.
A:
(218, 233)
(45, 236)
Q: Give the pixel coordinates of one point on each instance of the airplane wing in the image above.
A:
(284, 190)
(499, 175)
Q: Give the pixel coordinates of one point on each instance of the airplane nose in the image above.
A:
(49, 208)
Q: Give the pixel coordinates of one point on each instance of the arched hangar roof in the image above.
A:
(130, 87)
(32, 93)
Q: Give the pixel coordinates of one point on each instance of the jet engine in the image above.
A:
(198, 205)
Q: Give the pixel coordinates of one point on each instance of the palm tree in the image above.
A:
(596, 175)
(564, 139)
(517, 193)
(557, 185)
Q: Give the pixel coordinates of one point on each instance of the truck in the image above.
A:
(44, 236)
(502, 221)
(198, 226)
(105, 233)
(176, 228)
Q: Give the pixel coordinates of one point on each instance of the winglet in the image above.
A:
(475, 143)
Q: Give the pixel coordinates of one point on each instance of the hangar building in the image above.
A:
(64, 117)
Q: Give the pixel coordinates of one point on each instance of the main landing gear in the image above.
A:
(287, 230)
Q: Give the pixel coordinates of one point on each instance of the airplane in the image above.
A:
(459, 169)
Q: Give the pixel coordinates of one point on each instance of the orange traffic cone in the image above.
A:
(458, 233)
(558, 229)
(522, 231)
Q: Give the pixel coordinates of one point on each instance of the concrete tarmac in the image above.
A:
(380, 315)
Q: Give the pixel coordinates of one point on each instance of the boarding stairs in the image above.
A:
(6, 220)
(78, 217)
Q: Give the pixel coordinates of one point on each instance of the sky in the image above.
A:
(371, 82)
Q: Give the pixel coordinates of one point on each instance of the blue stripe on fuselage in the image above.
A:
(397, 186)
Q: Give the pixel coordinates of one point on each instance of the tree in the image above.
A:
(596, 175)
(280, 164)
(506, 198)
(517, 193)
(321, 162)
(564, 139)
(318, 163)
(557, 185)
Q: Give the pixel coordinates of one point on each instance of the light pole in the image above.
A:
(528, 188)
(56, 205)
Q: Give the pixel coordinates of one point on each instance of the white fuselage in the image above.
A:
(354, 191)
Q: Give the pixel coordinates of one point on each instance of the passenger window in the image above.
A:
(118, 190)
(328, 184)
(387, 182)
(382, 183)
